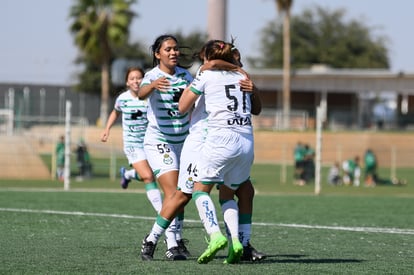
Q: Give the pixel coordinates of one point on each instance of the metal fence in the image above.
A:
(37, 104)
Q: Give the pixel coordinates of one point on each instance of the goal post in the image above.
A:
(320, 117)
(68, 114)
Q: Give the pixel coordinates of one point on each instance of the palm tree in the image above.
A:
(284, 6)
(99, 26)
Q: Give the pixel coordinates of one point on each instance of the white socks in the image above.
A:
(207, 212)
(231, 217)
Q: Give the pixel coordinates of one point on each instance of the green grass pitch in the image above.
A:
(97, 228)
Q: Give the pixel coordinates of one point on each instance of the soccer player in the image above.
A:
(201, 192)
(227, 153)
(167, 128)
(134, 125)
(188, 173)
(245, 192)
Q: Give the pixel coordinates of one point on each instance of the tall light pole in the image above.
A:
(217, 19)
(284, 7)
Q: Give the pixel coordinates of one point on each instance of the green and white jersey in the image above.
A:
(299, 153)
(134, 118)
(227, 106)
(165, 123)
(370, 160)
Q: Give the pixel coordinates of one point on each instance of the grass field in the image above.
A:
(97, 228)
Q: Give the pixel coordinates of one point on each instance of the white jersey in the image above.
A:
(165, 123)
(198, 120)
(226, 105)
(226, 155)
(190, 153)
(134, 118)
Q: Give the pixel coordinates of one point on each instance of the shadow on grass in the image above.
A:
(273, 259)
(297, 258)
(300, 258)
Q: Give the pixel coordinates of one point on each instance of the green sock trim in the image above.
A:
(245, 218)
(197, 194)
(151, 186)
(180, 216)
(164, 223)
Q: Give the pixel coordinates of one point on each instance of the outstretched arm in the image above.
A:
(111, 120)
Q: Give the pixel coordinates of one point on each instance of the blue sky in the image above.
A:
(36, 46)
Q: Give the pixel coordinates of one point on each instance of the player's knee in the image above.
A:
(147, 177)
(182, 198)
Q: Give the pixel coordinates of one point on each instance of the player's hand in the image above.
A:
(247, 85)
(104, 136)
(162, 84)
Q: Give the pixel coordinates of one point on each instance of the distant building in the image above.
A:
(350, 95)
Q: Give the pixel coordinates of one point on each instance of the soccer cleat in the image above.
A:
(214, 246)
(182, 248)
(173, 254)
(235, 252)
(251, 254)
(124, 181)
(147, 250)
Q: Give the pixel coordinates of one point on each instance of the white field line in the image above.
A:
(340, 228)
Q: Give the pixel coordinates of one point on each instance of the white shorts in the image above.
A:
(163, 157)
(134, 153)
(226, 157)
(190, 156)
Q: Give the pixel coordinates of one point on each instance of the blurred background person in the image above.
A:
(334, 176)
(83, 161)
(351, 171)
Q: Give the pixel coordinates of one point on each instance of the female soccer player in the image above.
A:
(188, 170)
(167, 128)
(227, 153)
(134, 125)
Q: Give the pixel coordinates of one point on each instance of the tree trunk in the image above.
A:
(105, 86)
(286, 69)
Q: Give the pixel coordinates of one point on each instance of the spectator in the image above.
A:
(309, 164)
(371, 177)
(334, 176)
(83, 161)
(370, 161)
(299, 156)
(351, 172)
